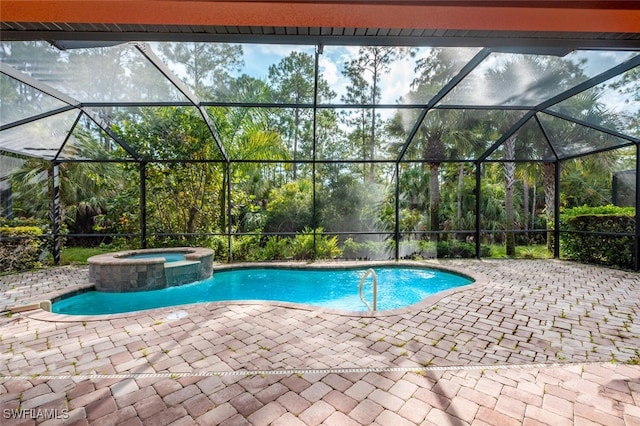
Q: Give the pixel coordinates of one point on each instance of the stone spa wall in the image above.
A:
(121, 272)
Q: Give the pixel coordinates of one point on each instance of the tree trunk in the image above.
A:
(372, 141)
(549, 183)
(434, 197)
(223, 197)
(525, 202)
(295, 142)
(509, 185)
(459, 201)
(533, 207)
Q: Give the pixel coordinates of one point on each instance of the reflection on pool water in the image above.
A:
(168, 256)
(327, 288)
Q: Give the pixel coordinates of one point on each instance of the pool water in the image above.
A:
(327, 288)
(168, 257)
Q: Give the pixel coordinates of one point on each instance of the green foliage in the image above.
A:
(539, 251)
(220, 246)
(327, 247)
(21, 248)
(366, 250)
(290, 207)
(302, 245)
(610, 250)
(246, 248)
(598, 210)
(79, 255)
(345, 204)
(457, 249)
(276, 248)
(352, 249)
(193, 191)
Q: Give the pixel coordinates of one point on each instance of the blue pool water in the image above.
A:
(168, 257)
(328, 288)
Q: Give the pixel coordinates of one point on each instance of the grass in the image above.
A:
(522, 252)
(79, 255)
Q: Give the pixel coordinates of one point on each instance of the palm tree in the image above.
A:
(569, 138)
(443, 134)
(86, 188)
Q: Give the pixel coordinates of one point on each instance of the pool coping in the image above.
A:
(36, 311)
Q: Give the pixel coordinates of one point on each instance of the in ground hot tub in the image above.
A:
(150, 269)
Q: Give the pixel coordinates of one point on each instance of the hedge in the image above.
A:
(21, 248)
(609, 250)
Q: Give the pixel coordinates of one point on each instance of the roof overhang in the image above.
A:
(590, 23)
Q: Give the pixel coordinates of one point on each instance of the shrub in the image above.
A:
(302, 245)
(21, 248)
(327, 247)
(610, 250)
(276, 248)
(351, 249)
(290, 207)
(457, 249)
(367, 250)
(246, 248)
(220, 246)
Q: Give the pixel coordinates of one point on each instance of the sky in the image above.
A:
(397, 81)
(258, 58)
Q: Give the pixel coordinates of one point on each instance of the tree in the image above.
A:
(629, 85)
(290, 207)
(509, 188)
(439, 130)
(87, 189)
(574, 139)
(292, 82)
(530, 78)
(179, 192)
(248, 134)
(365, 73)
(208, 66)
(21, 100)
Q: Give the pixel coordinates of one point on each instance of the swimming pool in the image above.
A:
(327, 288)
(168, 257)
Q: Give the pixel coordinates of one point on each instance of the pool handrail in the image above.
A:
(375, 289)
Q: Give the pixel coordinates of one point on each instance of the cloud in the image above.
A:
(397, 82)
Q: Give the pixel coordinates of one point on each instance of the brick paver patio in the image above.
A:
(537, 342)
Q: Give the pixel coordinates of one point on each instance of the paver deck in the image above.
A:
(538, 342)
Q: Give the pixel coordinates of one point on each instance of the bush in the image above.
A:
(246, 248)
(367, 250)
(290, 207)
(327, 247)
(457, 249)
(276, 248)
(609, 250)
(352, 249)
(21, 248)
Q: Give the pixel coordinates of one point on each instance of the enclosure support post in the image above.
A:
(556, 211)
(56, 212)
(143, 204)
(637, 238)
(397, 213)
(478, 207)
(314, 218)
(229, 240)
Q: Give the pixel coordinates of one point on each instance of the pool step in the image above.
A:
(181, 263)
(181, 272)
